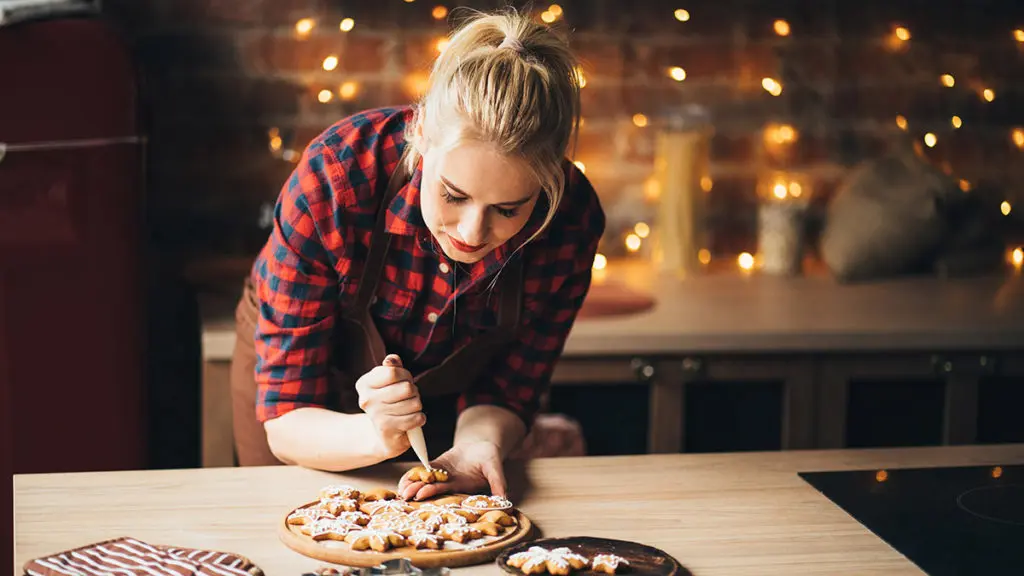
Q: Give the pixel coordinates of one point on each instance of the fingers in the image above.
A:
(392, 361)
(397, 393)
(410, 489)
(383, 376)
(495, 478)
(401, 423)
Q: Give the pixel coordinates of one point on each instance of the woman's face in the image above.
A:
(474, 199)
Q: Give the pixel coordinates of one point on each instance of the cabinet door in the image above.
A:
(907, 399)
(698, 404)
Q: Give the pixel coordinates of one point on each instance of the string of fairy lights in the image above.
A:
(777, 137)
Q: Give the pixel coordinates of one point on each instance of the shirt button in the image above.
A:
(444, 268)
(432, 317)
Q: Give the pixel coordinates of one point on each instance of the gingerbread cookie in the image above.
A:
(330, 529)
(377, 540)
(338, 505)
(499, 517)
(308, 515)
(339, 491)
(386, 507)
(379, 494)
(608, 563)
(460, 533)
(428, 475)
(538, 560)
(481, 503)
(425, 541)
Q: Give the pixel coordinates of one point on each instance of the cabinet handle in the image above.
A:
(941, 364)
(643, 369)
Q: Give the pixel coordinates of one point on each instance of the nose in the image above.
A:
(472, 227)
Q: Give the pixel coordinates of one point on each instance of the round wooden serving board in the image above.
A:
(341, 553)
(642, 559)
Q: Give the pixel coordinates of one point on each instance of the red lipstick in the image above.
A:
(463, 247)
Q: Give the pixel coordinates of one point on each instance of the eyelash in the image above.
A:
(452, 199)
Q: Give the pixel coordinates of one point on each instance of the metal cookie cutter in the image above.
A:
(398, 566)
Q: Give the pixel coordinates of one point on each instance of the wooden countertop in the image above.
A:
(732, 514)
(739, 313)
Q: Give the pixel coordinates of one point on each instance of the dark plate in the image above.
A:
(642, 559)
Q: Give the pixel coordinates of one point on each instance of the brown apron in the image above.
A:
(357, 347)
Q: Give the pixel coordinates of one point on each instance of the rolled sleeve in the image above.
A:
(297, 293)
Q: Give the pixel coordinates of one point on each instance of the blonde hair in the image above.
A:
(508, 81)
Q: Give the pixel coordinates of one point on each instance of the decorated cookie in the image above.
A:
(330, 529)
(428, 475)
(608, 563)
(354, 517)
(304, 516)
(481, 503)
(488, 528)
(379, 494)
(377, 540)
(338, 505)
(538, 560)
(460, 533)
(386, 507)
(498, 517)
(400, 523)
(425, 541)
(338, 491)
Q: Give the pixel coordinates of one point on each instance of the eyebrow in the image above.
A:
(519, 202)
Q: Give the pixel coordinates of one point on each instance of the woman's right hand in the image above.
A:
(391, 400)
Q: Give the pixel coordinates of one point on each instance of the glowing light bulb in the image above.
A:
(779, 191)
(881, 476)
(305, 26)
(1018, 137)
(704, 256)
(706, 183)
(965, 185)
(795, 189)
(902, 33)
(348, 90)
(682, 15)
(1018, 35)
(632, 242)
(439, 12)
(347, 24)
(956, 121)
(930, 140)
(642, 229)
(640, 120)
(901, 122)
(1017, 257)
(325, 96)
(745, 261)
(330, 63)
(547, 17)
(555, 9)
(947, 80)
(988, 94)
(1005, 208)
(600, 261)
(997, 471)
(781, 27)
(677, 73)
(772, 86)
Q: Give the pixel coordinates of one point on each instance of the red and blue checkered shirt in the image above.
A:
(311, 265)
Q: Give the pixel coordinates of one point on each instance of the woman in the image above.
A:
(425, 267)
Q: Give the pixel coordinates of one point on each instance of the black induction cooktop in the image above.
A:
(948, 521)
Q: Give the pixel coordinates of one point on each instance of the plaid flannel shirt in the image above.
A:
(310, 266)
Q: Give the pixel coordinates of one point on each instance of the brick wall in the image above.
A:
(224, 76)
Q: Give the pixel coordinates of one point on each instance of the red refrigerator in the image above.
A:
(71, 248)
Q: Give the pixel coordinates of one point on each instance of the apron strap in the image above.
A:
(380, 240)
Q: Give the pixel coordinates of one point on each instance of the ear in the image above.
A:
(418, 139)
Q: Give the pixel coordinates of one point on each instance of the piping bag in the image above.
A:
(416, 439)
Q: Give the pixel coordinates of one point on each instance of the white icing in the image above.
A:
(481, 502)
(609, 560)
(338, 490)
(557, 559)
(386, 506)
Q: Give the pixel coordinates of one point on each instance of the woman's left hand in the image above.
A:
(471, 467)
